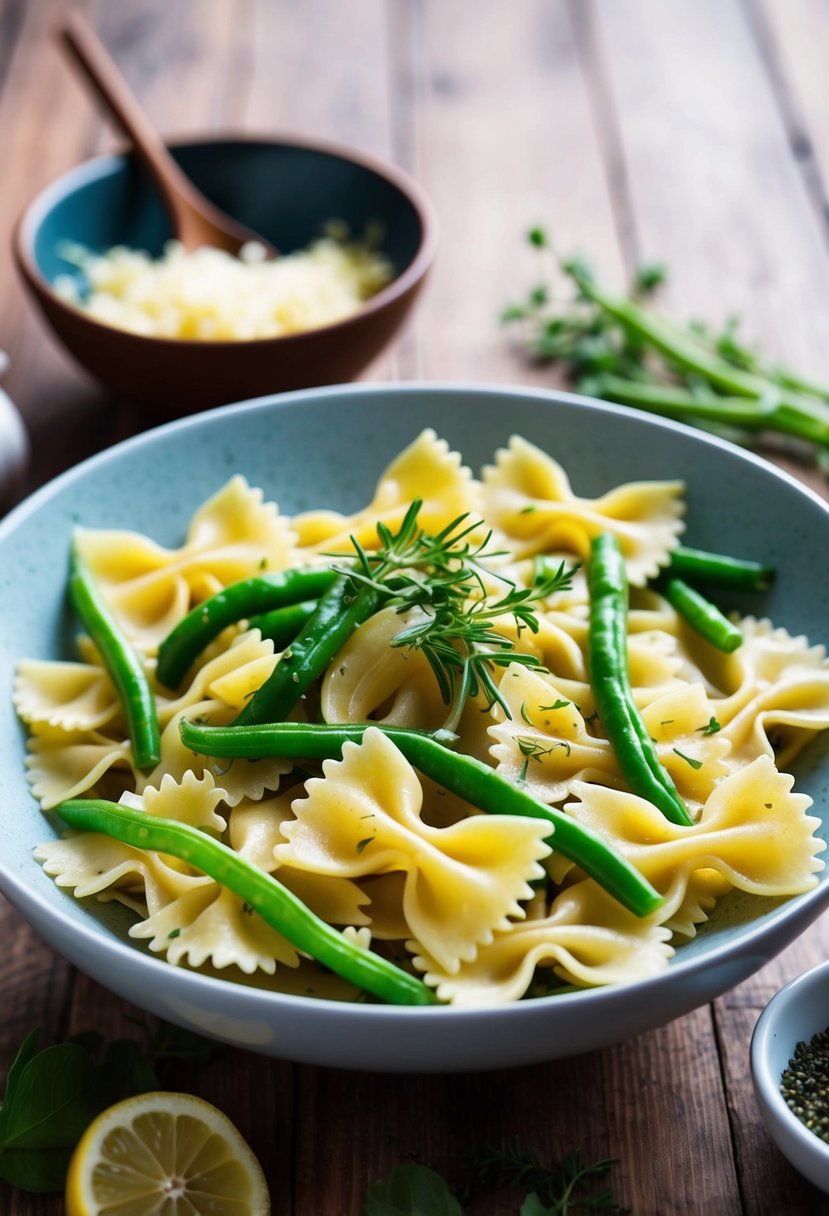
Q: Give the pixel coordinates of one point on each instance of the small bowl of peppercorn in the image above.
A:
(790, 1067)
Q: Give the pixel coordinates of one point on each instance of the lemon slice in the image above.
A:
(164, 1154)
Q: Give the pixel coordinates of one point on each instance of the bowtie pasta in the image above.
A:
(482, 906)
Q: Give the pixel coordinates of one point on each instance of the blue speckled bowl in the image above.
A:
(284, 189)
(327, 448)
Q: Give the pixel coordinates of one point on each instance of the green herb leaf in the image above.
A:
(532, 1206)
(53, 1095)
(694, 763)
(561, 1189)
(411, 1190)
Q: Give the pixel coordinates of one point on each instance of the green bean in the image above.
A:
(239, 601)
(339, 611)
(281, 625)
(717, 568)
(607, 650)
(277, 906)
(690, 353)
(121, 660)
(471, 779)
(746, 413)
(704, 617)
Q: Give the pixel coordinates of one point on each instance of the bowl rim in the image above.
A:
(35, 211)
(808, 904)
(782, 1122)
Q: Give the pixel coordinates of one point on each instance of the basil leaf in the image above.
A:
(54, 1100)
(26, 1052)
(53, 1095)
(411, 1190)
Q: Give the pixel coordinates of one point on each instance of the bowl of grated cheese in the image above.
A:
(180, 332)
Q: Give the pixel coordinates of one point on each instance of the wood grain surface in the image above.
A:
(691, 131)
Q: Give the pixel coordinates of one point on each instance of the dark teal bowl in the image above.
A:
(285, 190)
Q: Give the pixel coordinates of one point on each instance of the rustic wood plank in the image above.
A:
(341, 49)
(793, 38)
(46, 131)
(553, 1108)
(502, 140)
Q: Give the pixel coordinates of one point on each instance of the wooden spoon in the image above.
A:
(196, 221)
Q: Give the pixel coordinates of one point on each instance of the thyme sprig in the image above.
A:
(449, 579)
(565, 1187)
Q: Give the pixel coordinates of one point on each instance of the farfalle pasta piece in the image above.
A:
(235, 534)
(561, 644)
(188, 915)
(427, 470)
(753, 830)
(192, 800)
(693, 899)
(781, 693)
(211, 924)
(586, 938)
(767, 656)
(72, 696)
(545, 744)
(66, 764)
(248, 779)
(527, 496)
(689, 744)
(91, 864)
(462, 882)
(217, 692)
(255, 830)
(227, 678)
(370, 678)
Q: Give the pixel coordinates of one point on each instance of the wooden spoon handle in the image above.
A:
(176, 190)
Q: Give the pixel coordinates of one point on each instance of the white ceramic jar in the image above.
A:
(14, 446)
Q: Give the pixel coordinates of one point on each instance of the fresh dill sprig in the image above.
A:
(447, 578)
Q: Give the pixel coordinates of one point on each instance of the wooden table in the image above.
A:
(695, 131)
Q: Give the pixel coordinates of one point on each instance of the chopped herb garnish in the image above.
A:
(695, 764)
(534, 749)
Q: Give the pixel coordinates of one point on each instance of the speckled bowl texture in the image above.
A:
(285, 190)
(326, 448)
